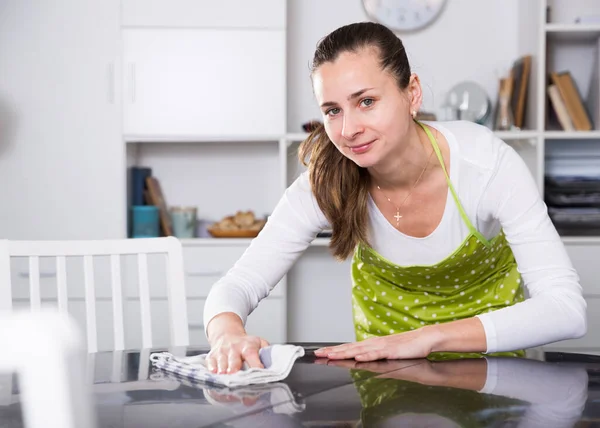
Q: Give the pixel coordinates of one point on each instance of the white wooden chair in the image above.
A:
(87, 250)
(46, 351)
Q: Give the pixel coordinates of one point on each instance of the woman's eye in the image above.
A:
(367, 102)
(332, 111)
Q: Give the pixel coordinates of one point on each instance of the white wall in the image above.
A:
(471, 40)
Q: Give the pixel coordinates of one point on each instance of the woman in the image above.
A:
(442, 221)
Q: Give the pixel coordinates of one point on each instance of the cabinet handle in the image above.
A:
(193, 326)
(132, 81)
(42, 274)
(213, 273)
(111, 83)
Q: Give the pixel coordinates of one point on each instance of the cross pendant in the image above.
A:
(397, 216)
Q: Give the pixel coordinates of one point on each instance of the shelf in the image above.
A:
(223, 242)
(324, 242)
(320, 242)
(573, 32)
(516, 135)
(131, 139)
(215, 242)
(572, 135)
(298, 137)
(504, 135)
(581, 240)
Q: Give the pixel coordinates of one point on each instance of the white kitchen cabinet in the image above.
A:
(324, 285)
(203, 82)
(204, 265)
(588, 343)
(62, 162)
(585, 255)
(269, 321)
(215, 14)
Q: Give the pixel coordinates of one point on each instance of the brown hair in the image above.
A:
(340, 186)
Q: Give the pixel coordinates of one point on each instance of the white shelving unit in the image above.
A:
(564, 45)
(572, 135)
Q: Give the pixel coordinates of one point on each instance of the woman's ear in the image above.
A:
(415, 94)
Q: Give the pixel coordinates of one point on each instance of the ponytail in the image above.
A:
(342, 190)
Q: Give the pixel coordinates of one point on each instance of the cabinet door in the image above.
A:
(204, 82)
(214, 14)
(585, 260)
(61, 151)
(269, 321)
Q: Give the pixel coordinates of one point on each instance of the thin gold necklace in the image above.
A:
(398, 216)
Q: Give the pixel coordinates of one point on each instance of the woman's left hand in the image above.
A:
(412, 344)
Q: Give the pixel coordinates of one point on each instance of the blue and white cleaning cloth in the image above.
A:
(278, 361)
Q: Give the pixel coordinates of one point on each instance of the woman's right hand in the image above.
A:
(230, 350)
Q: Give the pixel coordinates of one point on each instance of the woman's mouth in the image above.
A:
(362, 148)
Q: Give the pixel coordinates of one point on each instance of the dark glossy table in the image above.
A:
(555, 390)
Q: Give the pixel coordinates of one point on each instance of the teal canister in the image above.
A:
(145, 221)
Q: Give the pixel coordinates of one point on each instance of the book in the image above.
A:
(520, 82)
(560, 109)
(572, 99)
(138, 175)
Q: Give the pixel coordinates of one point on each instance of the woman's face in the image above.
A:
(365, 113)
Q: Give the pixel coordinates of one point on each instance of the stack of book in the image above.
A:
(569, 107)
(574, 204)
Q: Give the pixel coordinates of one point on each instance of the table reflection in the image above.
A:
(484, 392)
(475, 392)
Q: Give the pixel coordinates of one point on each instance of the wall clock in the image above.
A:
(404, 15)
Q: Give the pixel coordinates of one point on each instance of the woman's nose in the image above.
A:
(351, 127)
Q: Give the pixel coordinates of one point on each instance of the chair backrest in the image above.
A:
(87, 250)
(46, 351)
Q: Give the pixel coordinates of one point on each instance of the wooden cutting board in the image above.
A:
(156, 198)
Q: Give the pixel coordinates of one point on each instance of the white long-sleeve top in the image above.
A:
(497, 192)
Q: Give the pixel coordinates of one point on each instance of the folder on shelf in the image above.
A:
(572, 99)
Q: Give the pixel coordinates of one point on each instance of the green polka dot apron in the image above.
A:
(479, 276)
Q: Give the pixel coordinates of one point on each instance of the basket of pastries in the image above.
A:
(243, 224)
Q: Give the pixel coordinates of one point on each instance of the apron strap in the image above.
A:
(463, 214)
